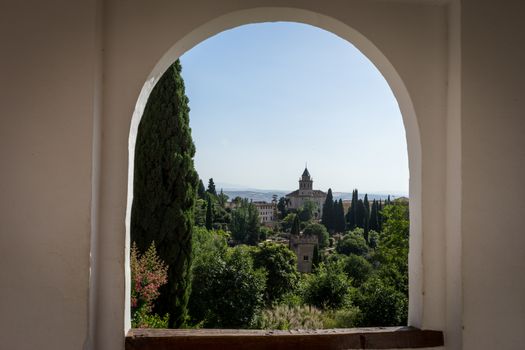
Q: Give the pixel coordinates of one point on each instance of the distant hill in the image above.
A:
(256, 195)
(266, 195)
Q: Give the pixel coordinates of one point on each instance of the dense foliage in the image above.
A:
(245, 223)
(353, 242)
(328, 288)
(280, 264)
(228, 292)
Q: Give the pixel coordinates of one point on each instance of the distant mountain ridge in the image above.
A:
(266, 195)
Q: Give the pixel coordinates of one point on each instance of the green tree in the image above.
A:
(296, 226)
(316, 259)
(315, 229)
(211, 187)
(339, 213)
(222, 198)
(201, 190)
(288, 221)
(360, 214)
(245, 223)
(307, 211)
(357, 268)
(227, 291)
(392, 247)
(328, 288)
(380, 218)
(366, 217)
(381, 304)
(280, 264)
(200, 212)
(164, 189)
(327, 218)
(374, 219)
(352, 243)
(281, 206)
(352, 211)
(209, 214)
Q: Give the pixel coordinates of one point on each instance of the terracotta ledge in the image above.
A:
(237, 339)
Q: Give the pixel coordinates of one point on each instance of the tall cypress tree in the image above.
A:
(327, 219)
(366, 218)
(209, 214)
(201, 190)
(380, 216)
(164, 189)
(374, 222)
(351, 215)
(340, 216)
(360, 214)
(211, 187)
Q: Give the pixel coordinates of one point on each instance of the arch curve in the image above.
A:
(372, 52)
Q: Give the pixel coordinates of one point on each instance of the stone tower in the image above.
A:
(306, 184)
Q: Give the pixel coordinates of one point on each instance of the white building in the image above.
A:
(266, 212)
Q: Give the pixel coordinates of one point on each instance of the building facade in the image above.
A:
(305, 193)
(266, 212)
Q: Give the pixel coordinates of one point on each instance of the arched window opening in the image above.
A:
(341, 241)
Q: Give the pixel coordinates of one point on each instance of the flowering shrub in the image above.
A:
(148, 274)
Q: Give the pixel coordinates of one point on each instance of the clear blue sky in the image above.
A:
(266, 98)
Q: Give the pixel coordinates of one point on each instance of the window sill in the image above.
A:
(237, 339)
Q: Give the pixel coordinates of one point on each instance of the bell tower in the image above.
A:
(305, 183)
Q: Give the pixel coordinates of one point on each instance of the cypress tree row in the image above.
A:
(164, 189)
(209, 214)
(327, 219)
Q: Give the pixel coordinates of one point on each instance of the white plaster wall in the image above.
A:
(472, 152)
(46, 97)
(408, 39)
(493, 162)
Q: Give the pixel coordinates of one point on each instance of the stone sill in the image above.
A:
(237, 339)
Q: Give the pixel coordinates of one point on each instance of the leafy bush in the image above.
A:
(357, 268)
(346, 317)
(352, 243)
(227, 292)
(286, 317)
(148, 274)
(381, 304)
(265, 232)
(328, 288)
(280, 264)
